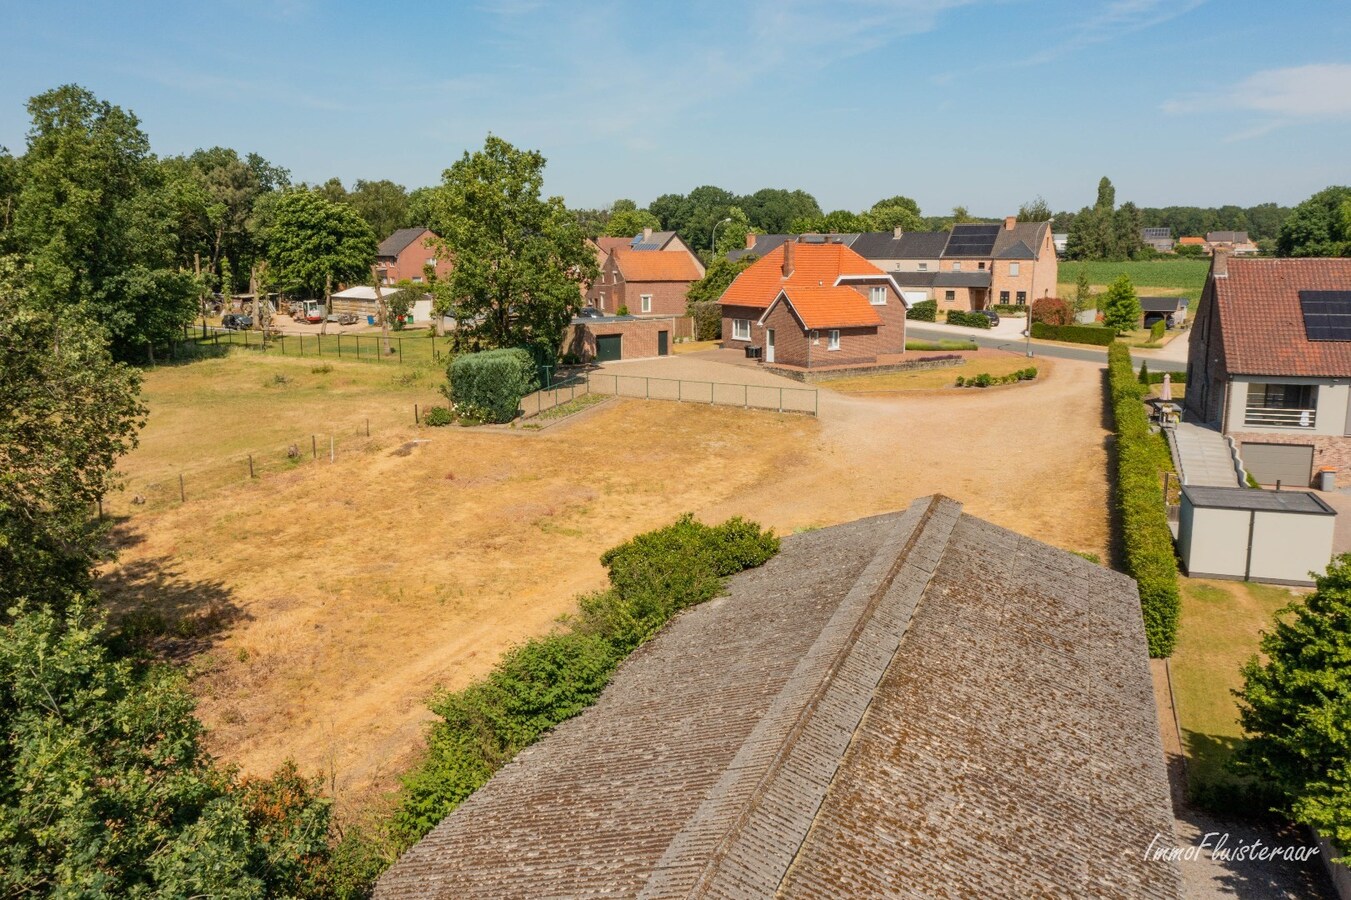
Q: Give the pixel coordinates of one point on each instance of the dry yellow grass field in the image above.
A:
(326, 601)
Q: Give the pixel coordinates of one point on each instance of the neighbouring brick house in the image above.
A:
(610, 338)
(919, 704)
(814, 304)
(1236, 243)
(1270, 363)
(1161, 239)
(649, 274)
(405, 254)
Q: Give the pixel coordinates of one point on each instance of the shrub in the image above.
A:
(968, 319)
(1144, 372)
(1010, 309)
(941, 345)
(923, 311)
(548, 680)
(1178, 377)
(490, 385)
(707, 315)
(961, 381)
(1157, 329)
(1052, 311)
(1146, 541)
(1120, 306)
(622, 311)
(1075, 334)
(437, 416)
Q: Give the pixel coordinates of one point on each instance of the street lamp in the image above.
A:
(713, 241)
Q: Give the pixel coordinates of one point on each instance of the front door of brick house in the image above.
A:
(769, 345)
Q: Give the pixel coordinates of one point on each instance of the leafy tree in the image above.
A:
(422, 209)
(1083, 293)
(1106, 195)
(332, 191)
(95, 221)
(383, 204)
(1318, 226)
(628, 222)
(313, 241)
(1127, 223)
(960, 216)
(9, 197)
(1120, 306)
(693, 216)
(519, 258)
(894, 212)
(1295, 704)
(721, 272)
(839, 221)
(1036, 210)
(732, 234)
(67, 412)
(400, 304)
(772, 210)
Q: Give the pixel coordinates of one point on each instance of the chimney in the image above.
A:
(750, 240)
(788, 258)
(1219, 263)
(1009, 222)
(897, 232)
(647, 235)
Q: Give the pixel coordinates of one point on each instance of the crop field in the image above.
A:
(1166, 276)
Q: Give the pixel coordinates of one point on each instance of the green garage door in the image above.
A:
(1290, 464)
(609, 347)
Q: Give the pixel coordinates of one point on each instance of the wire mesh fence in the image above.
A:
(679, 390)
(397, 349)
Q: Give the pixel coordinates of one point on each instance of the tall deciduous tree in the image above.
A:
(94, 220)
(1295, 705)
(519, 258)
(383, 204)
(1120, 306)
(894, 212)
(772, 210)
(1319, 226)
(312, 241)
(1035, 210)
(630, 221)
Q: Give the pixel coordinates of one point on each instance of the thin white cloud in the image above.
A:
(1111, 22)
(1277, 98)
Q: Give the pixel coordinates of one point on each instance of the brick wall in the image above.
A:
(408, 265)
(742, 312)
(668, 297)
(794, 346)
(1328, 449)
(640, 337)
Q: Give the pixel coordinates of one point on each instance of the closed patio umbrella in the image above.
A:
(1167, 392)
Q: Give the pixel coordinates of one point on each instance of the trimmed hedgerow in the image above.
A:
(548, 680)
(489, 386)
(968, 319)
(923, 311)
(1157, 329)
(1074, 334)
(1146, 541)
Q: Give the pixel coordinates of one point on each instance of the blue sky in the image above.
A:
(984, 103)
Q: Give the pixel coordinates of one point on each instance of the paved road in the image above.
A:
(927, 332)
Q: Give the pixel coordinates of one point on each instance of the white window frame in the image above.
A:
(1013, 270)
(923, 267)
(646, 301)
(432, 261)
(741, 329)
(957, 266)
(416, 279)
(601, 307)
(877, 296)
(833, 340)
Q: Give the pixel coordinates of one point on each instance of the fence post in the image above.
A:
(780, 399)
(314, 447)
(250, 466)
(302, 343)
(331, 455)
(647, 388)
(416, 419)
(368, 428)
(182, 491)
(745, 396)
(712, 389)
(340, 347)
(680, 390)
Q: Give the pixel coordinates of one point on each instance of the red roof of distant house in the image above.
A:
(1192, 241)
(656, 265)
(1262, 324)
(814, 265)
(829, 307)
(604, 245)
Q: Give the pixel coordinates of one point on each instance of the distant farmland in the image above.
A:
(1177, 276)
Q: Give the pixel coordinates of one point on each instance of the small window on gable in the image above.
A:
(877, 296)
(957, 266)
(923, 267)
(647, 303)
(980, 266)
(1013, 269)
(834, 343)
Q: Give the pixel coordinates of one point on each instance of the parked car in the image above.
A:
(991, 315)
(236, 321)
(344, 318)
(589, 312)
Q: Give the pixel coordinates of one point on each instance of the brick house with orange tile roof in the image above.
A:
(647, 280)
(1269, 363)
(811, 304)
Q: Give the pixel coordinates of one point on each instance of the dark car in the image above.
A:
(589, 312)
(235, 321)
(991, 315)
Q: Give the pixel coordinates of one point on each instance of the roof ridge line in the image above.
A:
(937, 517)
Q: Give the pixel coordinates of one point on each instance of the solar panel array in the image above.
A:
(972, 240)
(1327, 315)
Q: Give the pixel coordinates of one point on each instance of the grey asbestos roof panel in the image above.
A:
(1304, 502)
(917, 704)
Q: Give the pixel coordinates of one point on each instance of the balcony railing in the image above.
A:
(1280, 418)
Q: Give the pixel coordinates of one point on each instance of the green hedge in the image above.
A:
(968, 319)
(488, 386)
(548, 680)
(923, 311)
(1157, 329)
(1074, 334)
(1146, 541)
(1157, 377)
(1010, 309)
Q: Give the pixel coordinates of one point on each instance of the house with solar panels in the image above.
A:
(1270, 364)
(646, 275)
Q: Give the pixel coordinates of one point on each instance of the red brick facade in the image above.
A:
(610, 292)
(641, 337)
(795, 345)
(409, 263)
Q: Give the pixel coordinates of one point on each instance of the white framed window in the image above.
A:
(601, 306)
(833, 342)
(647, 302)
(957, 266)
(816, 338)
(1013, 269)
(877, 296)
(416, 279)
(923, 267)
(431, 261)
(741, 329)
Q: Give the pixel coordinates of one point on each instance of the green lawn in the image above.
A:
(1220, 628)
(1180, 276)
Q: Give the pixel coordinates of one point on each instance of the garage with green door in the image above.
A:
(609, 347)
(1290, 464)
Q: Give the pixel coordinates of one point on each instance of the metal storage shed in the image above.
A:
(1254, 535)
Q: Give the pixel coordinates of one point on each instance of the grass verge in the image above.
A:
(1181, 275)
(995, 365)
(572, 407)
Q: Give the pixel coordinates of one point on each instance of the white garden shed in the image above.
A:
(1254, 535)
